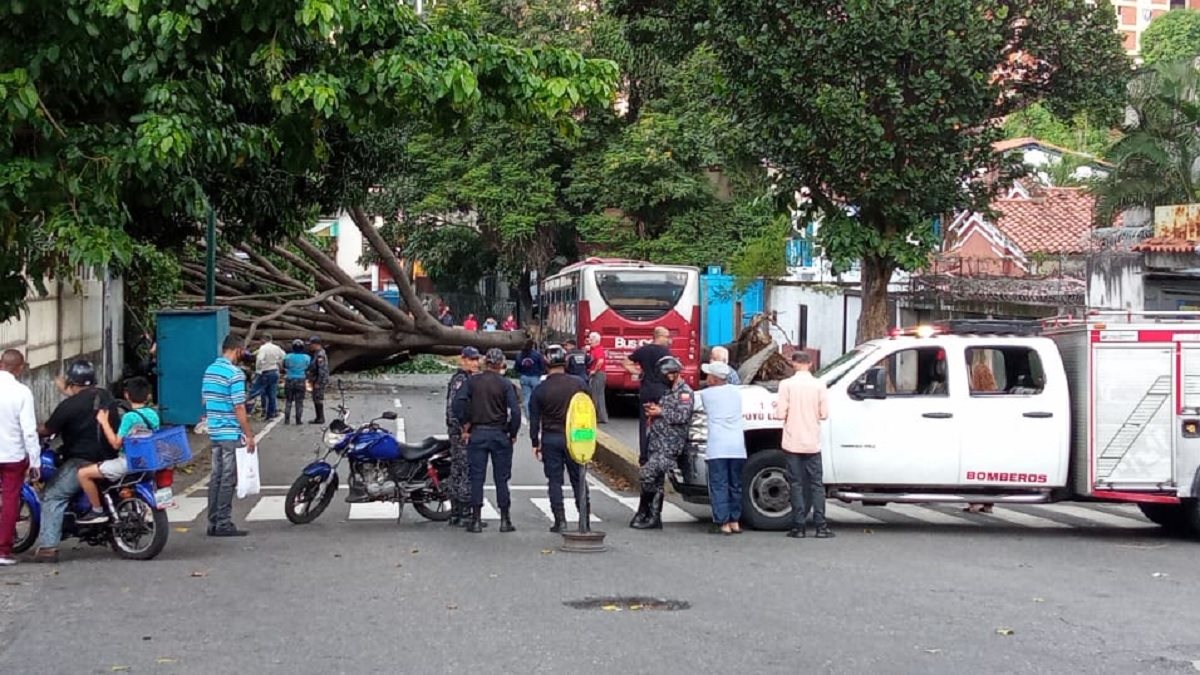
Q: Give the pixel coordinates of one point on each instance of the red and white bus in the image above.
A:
(623, 301)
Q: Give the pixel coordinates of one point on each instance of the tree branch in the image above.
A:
(288, 305)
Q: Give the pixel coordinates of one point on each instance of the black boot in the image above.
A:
(643, 511)
(458, 514)
(653, 520)
(506, 524)
(560, 521)
(475, 524)
(320, 412)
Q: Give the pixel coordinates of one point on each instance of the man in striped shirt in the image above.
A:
(224, 393)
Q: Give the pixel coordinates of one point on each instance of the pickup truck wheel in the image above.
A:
(766, 493)
(1190, 509)
(1171, 517)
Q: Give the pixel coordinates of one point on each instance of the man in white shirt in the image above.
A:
(267, 361)
(20, 451)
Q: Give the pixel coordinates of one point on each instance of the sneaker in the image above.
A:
(231, 532)
(94, 517)
(7, 561)
(45, 555)
(796, 533)
(825, 533)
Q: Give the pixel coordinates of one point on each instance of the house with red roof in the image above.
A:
(1150, 269)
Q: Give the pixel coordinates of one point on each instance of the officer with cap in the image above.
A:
(578, 361)
(548, 430)
(666, 438)
(318, 377)
(488, 408)
(460, 482)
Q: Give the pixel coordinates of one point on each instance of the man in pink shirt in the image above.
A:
(803, 403)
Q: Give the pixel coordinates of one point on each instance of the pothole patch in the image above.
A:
(630, 604)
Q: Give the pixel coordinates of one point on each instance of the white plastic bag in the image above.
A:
(247, 473)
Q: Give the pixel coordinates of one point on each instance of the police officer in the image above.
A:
(488, 408)
(577, 361)
(460, 482)
(318, 376)
(666, 438)
(547, 429)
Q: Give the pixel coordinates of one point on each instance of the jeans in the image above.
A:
(221, 485)
(596, 385)
(266, 388)
(58, 495)
(725, 489)
(493, 443)
(528, 384)
(294, 391)
(12, 477)
(808, 488)
(554, 460)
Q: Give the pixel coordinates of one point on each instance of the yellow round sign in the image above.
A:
(581, 428)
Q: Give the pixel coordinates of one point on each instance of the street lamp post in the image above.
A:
(210, 262)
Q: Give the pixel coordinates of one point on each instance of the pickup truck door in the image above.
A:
(1016, 430)
(911, 437)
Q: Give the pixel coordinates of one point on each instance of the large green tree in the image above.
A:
(125, 119)
(885, 111)
(1172, 36)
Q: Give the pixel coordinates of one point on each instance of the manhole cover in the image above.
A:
(629, 604)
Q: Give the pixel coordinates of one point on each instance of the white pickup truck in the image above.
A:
(1100, 408)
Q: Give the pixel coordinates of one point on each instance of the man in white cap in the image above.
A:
(726, 449)
(721, 354)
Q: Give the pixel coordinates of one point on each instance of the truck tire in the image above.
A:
(1171, 517)
(1190, 509)
(766, 493)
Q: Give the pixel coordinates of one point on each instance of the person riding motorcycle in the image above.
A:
(73, 421)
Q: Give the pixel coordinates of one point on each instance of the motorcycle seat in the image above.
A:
(132, 478)
(424, 448)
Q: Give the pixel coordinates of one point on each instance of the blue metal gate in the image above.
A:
(189, 340)
(720, 307)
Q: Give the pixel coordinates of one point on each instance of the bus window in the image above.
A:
(641, 295)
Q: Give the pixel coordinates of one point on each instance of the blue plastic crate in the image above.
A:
(162, 449)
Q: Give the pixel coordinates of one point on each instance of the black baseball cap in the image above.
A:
(470, 353)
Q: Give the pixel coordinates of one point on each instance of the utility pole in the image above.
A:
(210, 263)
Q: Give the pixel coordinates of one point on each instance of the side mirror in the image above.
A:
(872, 385)
(389, 415)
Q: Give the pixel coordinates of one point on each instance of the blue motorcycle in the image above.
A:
(382, 469)
(137, 528)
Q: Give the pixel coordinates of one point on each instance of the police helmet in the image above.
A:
(556, 356)
(669, 364)
(494, 357)
(81, 374)
(298, 345)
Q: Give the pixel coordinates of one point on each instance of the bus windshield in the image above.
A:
(641, 295)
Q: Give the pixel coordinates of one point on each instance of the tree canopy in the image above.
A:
(124, 120)
(884, 112)
(1172, 36)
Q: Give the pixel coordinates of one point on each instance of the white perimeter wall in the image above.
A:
(829, 308)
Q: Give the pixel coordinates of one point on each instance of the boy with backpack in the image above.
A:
(142, 420)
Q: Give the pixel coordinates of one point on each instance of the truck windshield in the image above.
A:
(835, 371)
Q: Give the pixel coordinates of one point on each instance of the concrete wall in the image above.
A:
(1116, 281)
(67, 324)
(833, 313)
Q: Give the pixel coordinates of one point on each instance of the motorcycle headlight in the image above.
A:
(332, 438)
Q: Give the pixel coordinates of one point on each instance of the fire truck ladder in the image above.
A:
(1133, 427)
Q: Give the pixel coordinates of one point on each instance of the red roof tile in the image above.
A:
(1055, 220)
(1167, 245)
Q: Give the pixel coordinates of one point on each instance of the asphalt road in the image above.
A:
(353, 593)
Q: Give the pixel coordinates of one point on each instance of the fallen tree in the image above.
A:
(294, 290)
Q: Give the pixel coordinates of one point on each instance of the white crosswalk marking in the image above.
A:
(928, 515)
(569, 510)
(489, 512)
(186, 509)
(1097, 518)
(269, 507)
(374, 511)
(838, 514)
(670, 512)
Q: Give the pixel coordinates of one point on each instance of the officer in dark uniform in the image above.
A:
(666, 438)
(318, 375)
(578, 361)
(460, 481)
(490, 411)
(547, 429)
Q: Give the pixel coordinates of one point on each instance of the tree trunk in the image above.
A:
(876, 275)
(525, 299)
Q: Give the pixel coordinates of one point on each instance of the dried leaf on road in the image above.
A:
(547, 551)
(933, 651)
(1004, 631)
(1038, 600)
(451, 606)
(867, 530)
(199, 574)
(167, 659)
(182, 529)
(610, 608)
(119, 669)
(635, 607)
(1160, 575)
(416, 551)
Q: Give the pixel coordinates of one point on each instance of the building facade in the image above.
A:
(1133, 16)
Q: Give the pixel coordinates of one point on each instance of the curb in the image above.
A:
(620, 458)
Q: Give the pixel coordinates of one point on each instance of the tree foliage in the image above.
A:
(885, 111)
(1173, 36)
(123, 119)
(1079, 133)
(1157, 158)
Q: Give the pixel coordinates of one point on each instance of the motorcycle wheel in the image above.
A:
(139, 531)
(437, 505)
(299, 506)
(28, 528)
